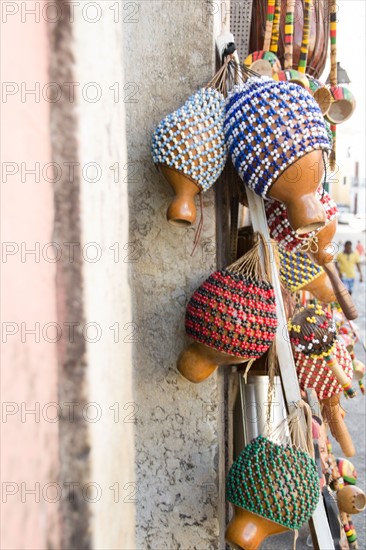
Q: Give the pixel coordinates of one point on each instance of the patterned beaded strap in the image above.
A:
(269, 24)
(305, 37)
(289, 33)
(276, 28)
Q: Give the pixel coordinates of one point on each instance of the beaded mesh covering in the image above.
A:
(276, 482)
(313, 331)
(313, 372)
(234, 314)
(296, 269)
(192, 141)
(279, 226)
(269, 125)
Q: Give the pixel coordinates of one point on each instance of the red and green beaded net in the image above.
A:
(234, 310)
(276, 482)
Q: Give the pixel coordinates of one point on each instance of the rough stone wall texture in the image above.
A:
(29, 436)
(168, 53)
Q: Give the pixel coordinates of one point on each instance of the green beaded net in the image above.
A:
(277, 482)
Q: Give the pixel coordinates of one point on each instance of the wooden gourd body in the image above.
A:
(324, 239)
(351, 499)
(296, 188)
(321, 289)
(182, 209)
(338, 428)
(247, 531)
(342, 105)
(198, 362)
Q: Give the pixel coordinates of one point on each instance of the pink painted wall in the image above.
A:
(29, 451)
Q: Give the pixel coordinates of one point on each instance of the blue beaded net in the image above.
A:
(269, 125)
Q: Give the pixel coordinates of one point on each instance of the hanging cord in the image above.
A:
(302, 439)
(310, 243)
(198, 232)
(250, 264)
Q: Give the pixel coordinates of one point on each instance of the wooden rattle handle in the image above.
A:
(343, 296)
(340, 375)
(333, 415)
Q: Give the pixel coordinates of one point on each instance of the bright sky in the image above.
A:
(351, 52)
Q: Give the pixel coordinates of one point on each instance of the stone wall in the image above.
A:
(169, 53)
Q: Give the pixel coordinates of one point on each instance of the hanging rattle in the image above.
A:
(231, 317)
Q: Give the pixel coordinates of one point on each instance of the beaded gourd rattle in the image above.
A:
(272, 488)
(275, 133)
(298, 272)
(281, 230)
(313, 372)
(231, 317)
(313, 332)
(189, 149)
(320, 93)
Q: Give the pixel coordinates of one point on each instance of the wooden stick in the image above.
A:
(305, 37)
(333, 43)
(276, 28)
(289, 33)
(269, 24)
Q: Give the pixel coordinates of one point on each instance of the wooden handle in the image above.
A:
(343, 296)
(332, 413)
(276, 28)
(305, 37)
(289, 34)
(333, 43)
(337, 370)
(269, 24)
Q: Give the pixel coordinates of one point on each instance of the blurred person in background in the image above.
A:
(360, 249)
(347, 262)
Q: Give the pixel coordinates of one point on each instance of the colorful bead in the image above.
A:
(347, 471)
(317, 336)
(280, 229)
(296, 269)
(313, 372)
(269, 480)
(234, 314)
